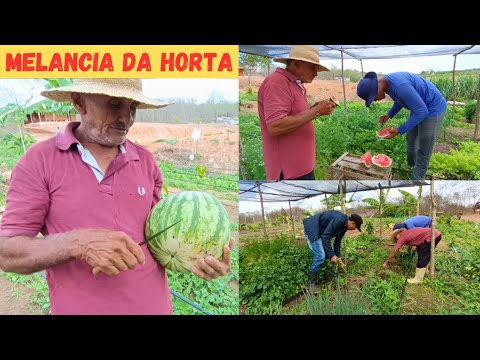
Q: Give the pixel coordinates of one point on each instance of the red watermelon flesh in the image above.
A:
(366, 159)
(334, 100)
(383, 133)
(382, 160)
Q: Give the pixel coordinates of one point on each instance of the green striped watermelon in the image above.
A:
(204, 229)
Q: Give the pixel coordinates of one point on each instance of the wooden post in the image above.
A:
(419, 198)
(434, 217)
(293, 219)
(477, 117)
(361, 64)
(454, 90)
(342, 204)
(263, 212)
(344, 94)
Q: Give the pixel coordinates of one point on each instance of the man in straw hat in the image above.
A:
(427, 108)
(89, 192)
(420, 238)
(288, 134)
(320, 229)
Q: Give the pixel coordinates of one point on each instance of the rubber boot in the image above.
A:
(314, 289)
(419, 274)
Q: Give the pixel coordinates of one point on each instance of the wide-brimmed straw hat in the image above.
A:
(395, 232)
(304, 53)
(123, 88)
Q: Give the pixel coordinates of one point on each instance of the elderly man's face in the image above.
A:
(305, 71)
(105, 119)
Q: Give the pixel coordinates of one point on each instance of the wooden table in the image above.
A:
(348, 167)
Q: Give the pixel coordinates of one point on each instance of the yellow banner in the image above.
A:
(119, 61)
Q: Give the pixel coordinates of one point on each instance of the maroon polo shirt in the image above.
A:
(292, 153)
(415, 237)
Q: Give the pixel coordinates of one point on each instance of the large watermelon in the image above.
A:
(366, 159)
(382, 160)
(383, 133)
(204, 229)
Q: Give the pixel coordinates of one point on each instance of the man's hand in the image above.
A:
(383, 119)
(107, 251)
(324, 107)
(210, 268)
(334, 259)
(393, 133)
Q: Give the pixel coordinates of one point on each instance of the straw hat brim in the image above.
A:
(395, 232)
(284, 61)
(64, 94)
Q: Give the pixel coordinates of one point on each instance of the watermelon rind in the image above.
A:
(334, 100)
(203, 230)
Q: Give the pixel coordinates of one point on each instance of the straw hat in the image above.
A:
(305, 53)
(394, 233)
(124, 88)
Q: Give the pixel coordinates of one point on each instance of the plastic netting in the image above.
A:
(277, 191)
(363, 52)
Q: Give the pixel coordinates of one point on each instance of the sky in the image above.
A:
(413, 64)
(444, 187)
(21, 90)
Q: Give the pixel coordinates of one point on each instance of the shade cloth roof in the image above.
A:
(362, 52)
(285, 190)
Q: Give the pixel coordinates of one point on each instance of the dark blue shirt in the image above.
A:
(326, 225)
(416, 94)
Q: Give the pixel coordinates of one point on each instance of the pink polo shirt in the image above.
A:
(53, 191)
(415, 237)
(293, 153)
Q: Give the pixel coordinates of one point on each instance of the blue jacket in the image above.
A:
(416, 94)
(326, 225)
(418, 221)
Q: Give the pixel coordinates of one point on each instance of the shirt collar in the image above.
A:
(292, 78)
(67, 138)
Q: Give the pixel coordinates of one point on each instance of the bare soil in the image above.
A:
(15, 299)
(217, 147)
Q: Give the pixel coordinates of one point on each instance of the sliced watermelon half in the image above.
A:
(366, 159)
(383, 133)
(382, 160)
(334, 100)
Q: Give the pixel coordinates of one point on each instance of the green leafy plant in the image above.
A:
(340, 302)
(369, 226)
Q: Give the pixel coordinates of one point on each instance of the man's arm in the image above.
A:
(390, 257)
(327, 238)
(289, 123)
(106, 251)
(337, 243)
